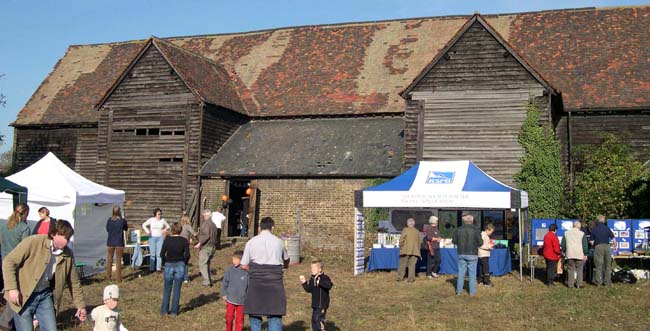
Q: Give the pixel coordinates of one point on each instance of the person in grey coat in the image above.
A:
(233, 291)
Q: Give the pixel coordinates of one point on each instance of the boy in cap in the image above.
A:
(106, 316)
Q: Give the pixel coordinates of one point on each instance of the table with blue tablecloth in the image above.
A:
(388, 259)
(500, 263)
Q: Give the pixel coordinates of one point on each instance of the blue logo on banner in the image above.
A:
(441, 177)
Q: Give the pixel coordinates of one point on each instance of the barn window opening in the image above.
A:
(153, 132)
(140, 132)
(170, 159)
(179, 132)
(166, 133)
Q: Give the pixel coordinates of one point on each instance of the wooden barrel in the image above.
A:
(292, 244)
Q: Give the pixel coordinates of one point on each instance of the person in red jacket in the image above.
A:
(552, 254)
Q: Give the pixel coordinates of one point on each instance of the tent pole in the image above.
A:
(521, 250)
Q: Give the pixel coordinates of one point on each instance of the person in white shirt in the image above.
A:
(155, 227)
(107, 316)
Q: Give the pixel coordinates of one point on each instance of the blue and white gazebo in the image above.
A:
(443, 184)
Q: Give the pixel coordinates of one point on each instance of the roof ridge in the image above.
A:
(352, 23)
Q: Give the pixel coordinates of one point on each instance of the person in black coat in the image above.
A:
(319, 285)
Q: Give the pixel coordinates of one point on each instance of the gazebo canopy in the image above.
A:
(444, 184)
(19, 192)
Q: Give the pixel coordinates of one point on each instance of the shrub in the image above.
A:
(541, 167)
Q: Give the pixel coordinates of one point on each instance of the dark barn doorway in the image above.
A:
(237, 217)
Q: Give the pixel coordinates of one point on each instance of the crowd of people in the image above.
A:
(474, 247)
(37, 266)
(575, 248)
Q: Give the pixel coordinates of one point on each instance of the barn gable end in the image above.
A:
(470, 102)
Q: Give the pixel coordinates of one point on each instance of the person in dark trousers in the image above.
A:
(432, 234)
(175, 252)
(115, 226)
(484, 255)
(319, 285)
(600, 237)
(552, 254)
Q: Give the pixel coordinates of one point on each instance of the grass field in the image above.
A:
(376, 302)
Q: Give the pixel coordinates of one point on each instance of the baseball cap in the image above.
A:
(111, 292)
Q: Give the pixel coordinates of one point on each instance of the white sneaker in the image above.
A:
(435, 275)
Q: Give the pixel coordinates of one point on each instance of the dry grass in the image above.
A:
(376, 302)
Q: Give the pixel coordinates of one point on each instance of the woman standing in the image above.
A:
(15, 230)
(175, 253)
(115, 226)
(154, 227)
(552, 254)
(188, 233)
(46, 223)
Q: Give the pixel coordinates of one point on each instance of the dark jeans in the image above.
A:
(433, 262)
(551, 271)
(318, 319)
(174, 272)
(484, 277)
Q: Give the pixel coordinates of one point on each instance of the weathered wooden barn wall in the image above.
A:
(70, 144)
(632, 126)
(218, 125)
(474, 102)
(148, 139)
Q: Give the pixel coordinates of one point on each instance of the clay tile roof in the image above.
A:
(595, 57)
(208, 80)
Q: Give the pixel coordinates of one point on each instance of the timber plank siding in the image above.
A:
(474, 102)
(34, 143)
(587, 129)
(149, 136)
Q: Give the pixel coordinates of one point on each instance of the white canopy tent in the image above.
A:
(444, 184)
(70, 196)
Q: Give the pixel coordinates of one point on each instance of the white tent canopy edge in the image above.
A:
(70, 196)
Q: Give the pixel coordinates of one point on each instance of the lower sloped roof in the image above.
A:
(340, 147)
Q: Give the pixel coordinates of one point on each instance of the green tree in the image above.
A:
(374, 215)
(541, 167)
(607, 171)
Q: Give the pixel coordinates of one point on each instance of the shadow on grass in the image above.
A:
(199, 301)
(66, 319)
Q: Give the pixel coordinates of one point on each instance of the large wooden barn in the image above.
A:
(304, 116)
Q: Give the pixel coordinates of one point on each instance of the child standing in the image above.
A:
(319, 285)
(175, 253)
(107, 316)
(484, 255)
(233, 289)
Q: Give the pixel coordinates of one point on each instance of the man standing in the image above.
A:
(264, 258)
(600, 236)
(467, 239)
(31, 269)
(409, 250)
(432, 234)
(208, 240)
(218, 218)
(574, 246)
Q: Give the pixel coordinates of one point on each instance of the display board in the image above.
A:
(540, 229)
(640, 230)
(622, 230)
(359, 240)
